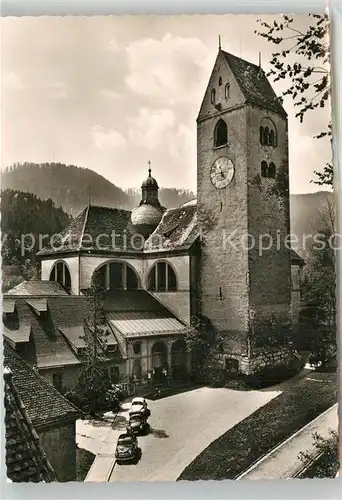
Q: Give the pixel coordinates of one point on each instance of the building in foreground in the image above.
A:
(35, 409)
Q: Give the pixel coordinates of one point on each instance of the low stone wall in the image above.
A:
(260, 360)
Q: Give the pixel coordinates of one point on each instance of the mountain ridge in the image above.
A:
(67, 187)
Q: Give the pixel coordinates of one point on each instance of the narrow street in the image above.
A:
(182, 426)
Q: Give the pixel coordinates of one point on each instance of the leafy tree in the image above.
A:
(24, 218)
(319, 293)
(93, 390)
(303, 59)
(204, 345)
(327, 450)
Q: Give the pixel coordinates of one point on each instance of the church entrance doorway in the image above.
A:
(159, 362)
(179, 358)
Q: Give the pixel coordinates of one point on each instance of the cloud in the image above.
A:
(12, 81)
(113, 46)
(58, 90)
(167, 69)
(150, 127)
(110, 94)
(106, 138)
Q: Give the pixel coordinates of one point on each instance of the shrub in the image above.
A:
(270, 376)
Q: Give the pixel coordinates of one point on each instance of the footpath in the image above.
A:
(283, 462)
(100, 439)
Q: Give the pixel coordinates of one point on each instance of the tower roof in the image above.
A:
(150, 181)
(254, 83)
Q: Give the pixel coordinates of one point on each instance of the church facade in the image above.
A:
(211, 257)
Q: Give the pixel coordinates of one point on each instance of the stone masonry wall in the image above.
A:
(59, 444)
(224, 265)
(269, 269)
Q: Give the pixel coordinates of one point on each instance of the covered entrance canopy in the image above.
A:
(136, 315)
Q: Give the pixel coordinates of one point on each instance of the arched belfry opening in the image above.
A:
(220, 133)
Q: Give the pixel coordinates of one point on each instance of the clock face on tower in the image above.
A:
(222, 172)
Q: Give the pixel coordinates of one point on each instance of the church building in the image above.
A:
(162, 267)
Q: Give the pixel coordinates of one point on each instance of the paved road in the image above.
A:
(184, 425)
(283, 462)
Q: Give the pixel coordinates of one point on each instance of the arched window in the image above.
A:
(272, 170)
(227, 91)
(137, 348)
(220, 134)
(213, 96)
(264, 169)
(220, 81)
(162, 278)
(271, 138)
(60, 273)
(268, 133)
(116, 276)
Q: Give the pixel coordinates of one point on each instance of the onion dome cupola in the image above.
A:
(146, 217)
(149, 190)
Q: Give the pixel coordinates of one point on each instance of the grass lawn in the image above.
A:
(237, 449)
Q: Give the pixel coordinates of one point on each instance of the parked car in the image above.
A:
(139, 404)
(126, 448)
(137, 423)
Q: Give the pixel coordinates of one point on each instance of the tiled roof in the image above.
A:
(131, 300)
(47, 345)
(36, 287)
(113, 221)
(17, 322)
(177, 229)
(39, 305)
(70, 238)
(254, 84)
(42, 401)
(68, 314)
(81, 234)
(25, 457)
(8, 305)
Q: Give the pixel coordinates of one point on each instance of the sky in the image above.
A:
(112, 93)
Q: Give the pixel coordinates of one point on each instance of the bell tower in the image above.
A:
(243, 202)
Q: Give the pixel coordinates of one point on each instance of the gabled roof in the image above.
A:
(254, 84)
(37, 287)
(25, 457)
(44, 404)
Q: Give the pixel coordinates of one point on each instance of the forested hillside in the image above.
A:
(23, 218)
(70, 186)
